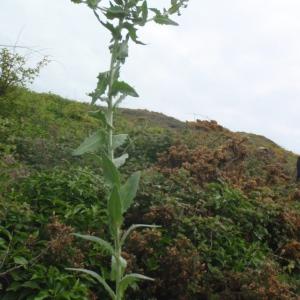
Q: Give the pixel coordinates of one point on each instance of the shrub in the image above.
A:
(14, 72)
(175, 262)
(76, 194)
(43, 282)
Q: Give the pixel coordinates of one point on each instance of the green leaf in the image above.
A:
(123, 88)
(119, 101)
(156, 11)
(19, 260)
(164, 20)
(119, 140)
(5, 232)
(115, 12)
(129, 189)
(130, 279)
(123, 264)
(114, 207)
(132, 32)
(110, 172)
(100, 115)
(103, 81)
(113, 269)
(132, 3)
(31, 284)
(120, 161)
(122, 51)
(3, 243)
(144, 12)
(115, 31)
(176, 5)
(104, 244)
(98, 278)
(136, 226)
(174, 9)
(92, 3)
(92, 144)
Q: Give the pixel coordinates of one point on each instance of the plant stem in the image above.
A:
(114, 65)
(110, 150)
(119, 267)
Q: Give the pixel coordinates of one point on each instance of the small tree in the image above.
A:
(14, 72)
(121, 18)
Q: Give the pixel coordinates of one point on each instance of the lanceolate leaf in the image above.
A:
(136, 226)
(113, 269)
(92, 3)
(175, 8)
(115, 31)
(98, 278)
(155, 10)
(100, 115)
(144, 12)
(101, 86)
(123, 264)
(115, 210)
(119, 140)
(110, 171)
(123, 88)
(130, 279)
(92, 144)
(19, 260)
(120, 161)
(164, 20)
(115, 12)
(132, 3)
(104, 244)
(119, 101)
(132, 33)
(129, 189)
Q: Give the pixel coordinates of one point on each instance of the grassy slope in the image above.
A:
(39, 131)
(48, 116)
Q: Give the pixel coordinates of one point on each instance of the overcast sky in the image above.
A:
(235, 61)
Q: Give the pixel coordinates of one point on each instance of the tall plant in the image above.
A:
(122, 18)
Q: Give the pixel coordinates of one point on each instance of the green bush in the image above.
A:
(76, 194)
(14, 72)
(45, 283)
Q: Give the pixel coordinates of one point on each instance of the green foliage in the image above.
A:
(128, 190)
(47, 283)
(75, 185)
(148, 143)
(249, 215)
(76, 194)
(28, 245)
(13, 70)
(222, 244)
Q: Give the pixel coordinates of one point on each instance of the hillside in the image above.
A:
(227, 202)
